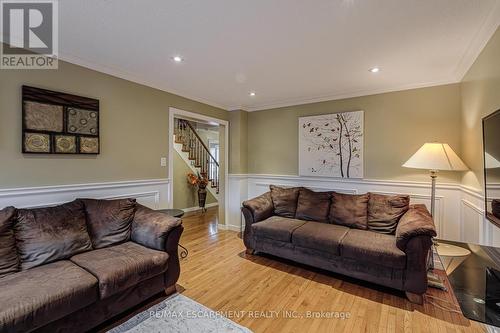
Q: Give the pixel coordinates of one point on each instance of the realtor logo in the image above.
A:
(30, 34)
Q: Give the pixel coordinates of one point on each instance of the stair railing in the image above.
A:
(198, 152)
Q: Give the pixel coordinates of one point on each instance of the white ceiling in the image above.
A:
(287, 51)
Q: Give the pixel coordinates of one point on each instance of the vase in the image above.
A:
(202, 197)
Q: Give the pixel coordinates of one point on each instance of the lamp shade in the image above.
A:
(436, 156)
(490, 162)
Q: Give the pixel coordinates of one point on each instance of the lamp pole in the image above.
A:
(433, 209)
(433, 191)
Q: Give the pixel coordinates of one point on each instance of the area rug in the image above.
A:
(179, 313)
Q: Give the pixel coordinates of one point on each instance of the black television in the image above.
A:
(491, 144)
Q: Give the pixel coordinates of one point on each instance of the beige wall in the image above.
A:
(238, 145)
(134, 125)
(480, 96)
(396, 125)
(134, 128)
(185, 194)
(208, 135)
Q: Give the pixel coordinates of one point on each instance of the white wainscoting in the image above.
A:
(238, 192)
(459, 210)
(152, 193)
(474, 222)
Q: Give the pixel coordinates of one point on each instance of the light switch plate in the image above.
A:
(163, 161)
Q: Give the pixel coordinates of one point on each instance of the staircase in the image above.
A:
(198, 152)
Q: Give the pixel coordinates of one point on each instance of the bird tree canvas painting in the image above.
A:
(332, 145)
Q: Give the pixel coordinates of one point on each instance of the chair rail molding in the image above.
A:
(459, 209)
(153, 193)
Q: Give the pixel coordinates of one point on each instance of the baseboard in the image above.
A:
(196, 208)
(229, 227)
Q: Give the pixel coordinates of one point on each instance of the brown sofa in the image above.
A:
(71, 267)
(373, 237)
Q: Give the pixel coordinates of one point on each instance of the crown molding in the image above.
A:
(478, 43)
(344, 95)
(122, 74)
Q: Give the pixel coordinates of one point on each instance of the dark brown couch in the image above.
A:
(71, 267)
(373, 237)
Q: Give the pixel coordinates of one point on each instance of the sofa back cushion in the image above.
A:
(48, 234)
(313, 206)
(384, 211)
(9, 260)
(349, 210)
(284, 200)
(109, 221)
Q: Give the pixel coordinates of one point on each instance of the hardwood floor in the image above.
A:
(266, 294)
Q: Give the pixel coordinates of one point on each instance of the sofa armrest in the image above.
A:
(417, 253)
(260, 208)
(151, 228)
(172, 248)
(255, 210)
(414, 236)
(417, 221)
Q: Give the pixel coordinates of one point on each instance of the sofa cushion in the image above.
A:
(109, 221)
(277, 228)
(122, 266)
(373, 247)
(320, 236)
(384, 211)
(313, 206)
(349, 210)
(45, 235)
(284, 200)
(9, 260)
(33, 298)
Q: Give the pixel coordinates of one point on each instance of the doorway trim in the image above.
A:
(173, 113)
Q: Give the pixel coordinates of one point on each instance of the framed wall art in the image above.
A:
(59, 123)
(331, 145)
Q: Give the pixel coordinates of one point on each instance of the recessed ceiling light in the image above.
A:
(375, 70)
(252, 94)
(177, 58)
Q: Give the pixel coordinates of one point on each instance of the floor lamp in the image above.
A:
(435, 157)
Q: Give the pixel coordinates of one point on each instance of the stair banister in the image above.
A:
(198, 151)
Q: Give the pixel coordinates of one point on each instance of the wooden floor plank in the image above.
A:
(218, 274)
